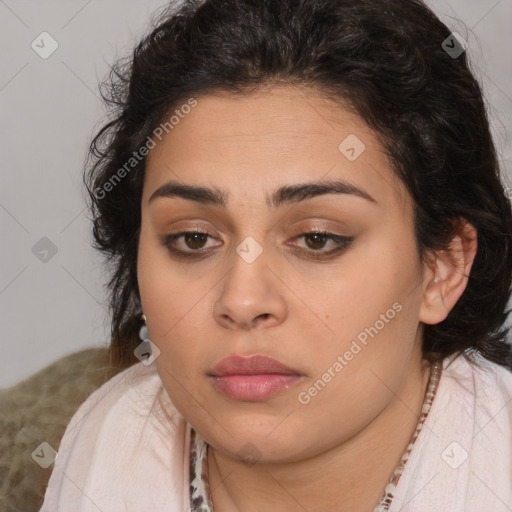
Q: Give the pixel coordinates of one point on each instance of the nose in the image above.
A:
(250, 296)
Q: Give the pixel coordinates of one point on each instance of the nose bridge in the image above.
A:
(249, 294)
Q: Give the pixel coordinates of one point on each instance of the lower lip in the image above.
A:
(254, 387)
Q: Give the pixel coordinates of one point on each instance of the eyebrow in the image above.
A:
(284, 195)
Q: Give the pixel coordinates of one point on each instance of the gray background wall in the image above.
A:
(49, 109)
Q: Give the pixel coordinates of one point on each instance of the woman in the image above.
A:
(311, 259)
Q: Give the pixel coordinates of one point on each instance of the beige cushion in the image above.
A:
(38, 410)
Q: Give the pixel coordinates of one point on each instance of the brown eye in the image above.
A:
(191, 244)
(195, 240)
(318, 240)
(187, 243)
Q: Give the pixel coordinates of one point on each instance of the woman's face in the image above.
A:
(341, 313)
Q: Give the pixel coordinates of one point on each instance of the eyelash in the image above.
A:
(343, 243)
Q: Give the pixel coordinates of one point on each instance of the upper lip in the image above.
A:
(251, 365)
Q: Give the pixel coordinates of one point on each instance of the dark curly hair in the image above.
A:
(384, 59)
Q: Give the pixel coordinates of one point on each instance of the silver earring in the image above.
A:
(143, 332)
(147, 351)
(436, 280)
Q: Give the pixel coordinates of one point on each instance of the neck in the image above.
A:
(350, 476)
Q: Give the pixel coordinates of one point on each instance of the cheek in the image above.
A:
(372, 312)
(172, 305)
(181, 368)
(379, 274)
(168, 294)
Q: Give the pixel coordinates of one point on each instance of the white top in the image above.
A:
(127, 448)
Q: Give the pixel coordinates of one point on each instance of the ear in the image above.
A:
(448, 272)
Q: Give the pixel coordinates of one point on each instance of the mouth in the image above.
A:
(252, 378)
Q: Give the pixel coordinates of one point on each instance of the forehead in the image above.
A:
(286, 134)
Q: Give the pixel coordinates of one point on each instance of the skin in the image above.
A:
(338, 451)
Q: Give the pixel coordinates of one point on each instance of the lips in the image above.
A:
(252, 378)
(251, 365)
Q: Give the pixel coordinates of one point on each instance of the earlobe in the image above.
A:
(448, 273)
